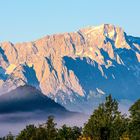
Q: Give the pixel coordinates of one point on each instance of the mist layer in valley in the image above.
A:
(15, 122)
(27, 105)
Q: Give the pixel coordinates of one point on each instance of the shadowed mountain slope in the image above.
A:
(28, 99)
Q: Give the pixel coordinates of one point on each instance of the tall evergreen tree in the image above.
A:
(102, 124)
(51, 130)
(134, 127)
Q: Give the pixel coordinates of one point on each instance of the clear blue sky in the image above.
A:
(25, 20)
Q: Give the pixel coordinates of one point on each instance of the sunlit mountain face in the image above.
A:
(76, 70)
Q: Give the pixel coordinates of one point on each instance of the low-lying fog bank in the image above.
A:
(15, 122)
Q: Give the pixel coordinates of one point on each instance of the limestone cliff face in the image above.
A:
(74, 67)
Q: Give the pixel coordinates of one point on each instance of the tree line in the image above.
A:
(106, 123)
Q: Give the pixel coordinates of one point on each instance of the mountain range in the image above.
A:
(77, 69)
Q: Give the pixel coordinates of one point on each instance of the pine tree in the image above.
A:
(103, 123)
(134, 127)
(51, 128)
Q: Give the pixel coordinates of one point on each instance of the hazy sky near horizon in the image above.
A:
(26, 20)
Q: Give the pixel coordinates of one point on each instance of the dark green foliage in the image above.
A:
(46, 131)
(103, 123)
(135, 111)
(134, 126)
(28, 133)
(9, 137)
(69, 133)
(50, 128)
(40, 134)
(76, 132)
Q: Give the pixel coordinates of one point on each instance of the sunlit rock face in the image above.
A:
(75, 69)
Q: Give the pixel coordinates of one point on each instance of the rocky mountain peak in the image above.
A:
(73, 67)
